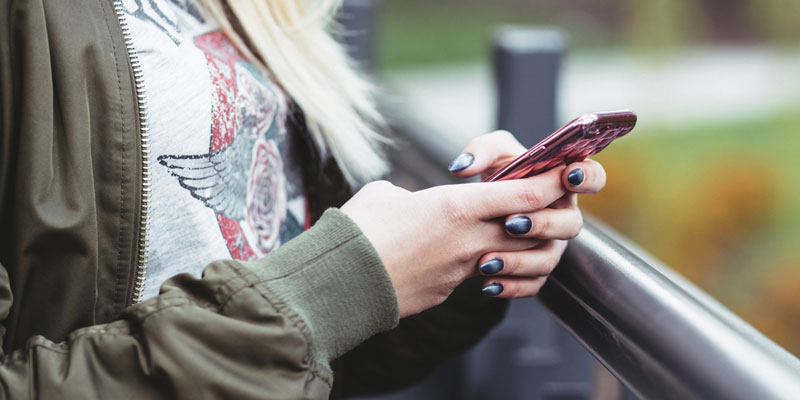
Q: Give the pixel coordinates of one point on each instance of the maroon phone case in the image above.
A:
(581, 138)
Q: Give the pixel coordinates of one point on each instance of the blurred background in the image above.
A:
(708, 181)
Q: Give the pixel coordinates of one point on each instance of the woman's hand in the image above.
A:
(431, 240)
(522, 273)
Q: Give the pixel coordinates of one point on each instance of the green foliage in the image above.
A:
(662, 24)
(777, 20)
(423, 32)
(419, 32)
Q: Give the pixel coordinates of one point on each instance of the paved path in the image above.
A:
(701, 85)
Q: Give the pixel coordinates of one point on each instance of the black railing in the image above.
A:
(657, 332)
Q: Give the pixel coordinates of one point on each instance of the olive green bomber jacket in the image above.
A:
(71, 203)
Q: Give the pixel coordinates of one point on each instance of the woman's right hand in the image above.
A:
(431, 240)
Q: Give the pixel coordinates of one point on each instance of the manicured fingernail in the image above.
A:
(463, 161)
(519, 225)
(575, 177)
(492, 266)
(492, 289)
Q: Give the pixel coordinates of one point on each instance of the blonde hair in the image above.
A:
(292, 39)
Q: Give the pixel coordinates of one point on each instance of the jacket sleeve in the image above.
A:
(400, 357)
(264, 329)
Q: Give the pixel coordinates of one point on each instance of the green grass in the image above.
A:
(414, 32)
(422, 32)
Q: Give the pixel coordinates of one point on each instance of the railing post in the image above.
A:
(530, 352)
(527, 65)
(358, 20)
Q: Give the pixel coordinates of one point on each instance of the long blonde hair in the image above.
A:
(292, 37)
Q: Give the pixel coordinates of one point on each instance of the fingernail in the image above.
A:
(492, 266)
(463, 161)
(519, 225)
(575, 177)
(492, 289)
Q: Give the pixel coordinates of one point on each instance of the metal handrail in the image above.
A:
(658, 333)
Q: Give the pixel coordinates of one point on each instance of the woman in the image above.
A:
(144, 139)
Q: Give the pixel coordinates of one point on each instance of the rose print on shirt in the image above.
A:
(266, 196)
(242, 177)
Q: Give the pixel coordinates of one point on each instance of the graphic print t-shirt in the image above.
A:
(224, 183)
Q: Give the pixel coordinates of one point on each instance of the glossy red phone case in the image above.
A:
(581, 138)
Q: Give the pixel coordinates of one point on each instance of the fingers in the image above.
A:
(587, 176)
(495, 238)
(547, 223)
(523, 273)
(514, 288)
(488, 200)
(529, 263)
(570, 200)
(486, 152)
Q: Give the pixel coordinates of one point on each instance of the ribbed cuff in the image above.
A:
(333, 278)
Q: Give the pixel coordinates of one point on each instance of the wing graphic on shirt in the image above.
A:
(217, 179)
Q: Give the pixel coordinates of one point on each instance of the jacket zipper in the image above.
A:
(144, 212)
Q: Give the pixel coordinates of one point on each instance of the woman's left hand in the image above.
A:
(522, 273)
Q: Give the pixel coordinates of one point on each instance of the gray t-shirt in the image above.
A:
(224, 182)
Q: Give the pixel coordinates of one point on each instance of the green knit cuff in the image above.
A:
(333, 278)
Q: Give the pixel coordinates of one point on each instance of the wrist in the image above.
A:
(334, 279)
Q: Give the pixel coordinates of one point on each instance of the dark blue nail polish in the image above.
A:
(492, 289)
(519, 225)
(575, 177)
(492, 266)
(461, 162)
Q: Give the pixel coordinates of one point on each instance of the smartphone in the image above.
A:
(581, 138)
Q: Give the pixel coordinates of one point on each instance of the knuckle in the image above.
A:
(511, 264)
(454, 211)
(542, 224)
(439, 299)
(539, 283)
(532, 197)
(380, 183)
(474, 142)
(595, 178)
(550, 262)
(507, 135)
(377, 186)
(511, 289)
(518, 265)
(461, 256)
(573, 225)
(577, 227)
(462, 253)
(452, 280)
(502, 133)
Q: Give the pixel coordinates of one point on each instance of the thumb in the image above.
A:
(486, 153)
